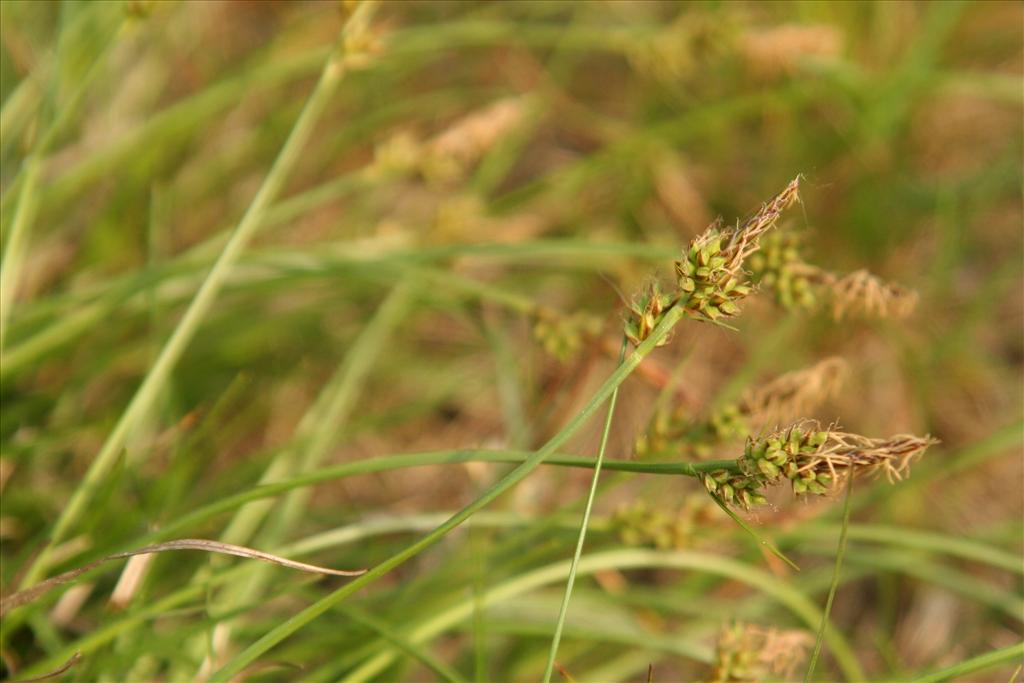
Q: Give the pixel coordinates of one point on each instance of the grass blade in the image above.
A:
(989, 660)
(761, 540)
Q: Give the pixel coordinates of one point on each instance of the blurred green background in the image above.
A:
(481, 162)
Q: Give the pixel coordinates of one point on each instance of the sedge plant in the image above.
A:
(299, 376)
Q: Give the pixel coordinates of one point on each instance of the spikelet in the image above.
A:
(862, 294)
(646, 312)
(639, 524)
(711, 275)
(397, 156)
(780, 400)
(794, 393)
(780, 268)
(562, 335)
(813, 460)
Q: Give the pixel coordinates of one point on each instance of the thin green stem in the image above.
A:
(296, 622)
(564, 609)
(160, 372)
(840, 553)
(397, 462)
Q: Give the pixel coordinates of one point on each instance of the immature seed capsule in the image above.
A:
(768, 469)
(818, 438)
(729, 308)
(814, 487)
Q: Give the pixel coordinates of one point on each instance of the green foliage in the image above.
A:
(345, 288)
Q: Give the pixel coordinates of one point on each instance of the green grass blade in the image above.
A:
(989, 660)
(17, 242)
(423, 656)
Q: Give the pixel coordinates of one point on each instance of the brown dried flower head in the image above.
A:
(747, 652)
(780, 268)
(449, 154)
(795, 393)
(862, 294)
(675, 430)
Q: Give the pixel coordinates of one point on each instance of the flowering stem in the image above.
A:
(840, 553)
(583, 527)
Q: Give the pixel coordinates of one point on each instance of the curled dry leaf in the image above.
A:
(35, 592)
(56, 672)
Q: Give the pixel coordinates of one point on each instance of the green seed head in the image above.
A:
(768, 469)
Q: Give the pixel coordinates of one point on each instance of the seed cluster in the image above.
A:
(728, 422)
(640, 524)
(733, 488)
(712, 289)
(813, 460)
(767, 460)
(781, 455)
(563, 335)
(779, 268)
(710, 276)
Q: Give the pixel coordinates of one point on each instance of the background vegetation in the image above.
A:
(474, 170)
